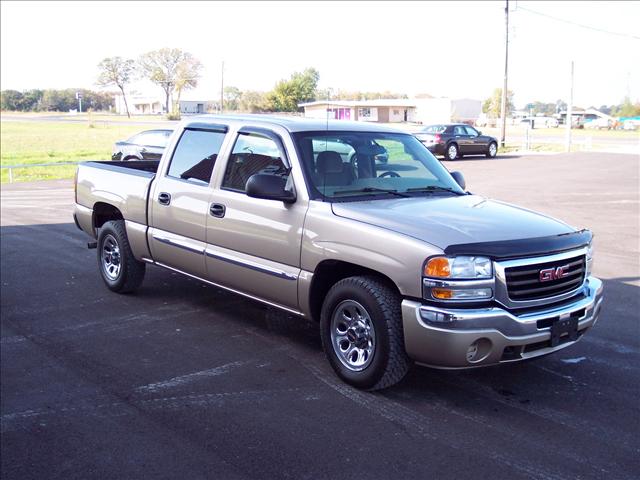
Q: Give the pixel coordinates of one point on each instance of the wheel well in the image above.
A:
(328, 273)
(103, 213)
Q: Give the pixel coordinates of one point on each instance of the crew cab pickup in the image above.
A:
(394, 259)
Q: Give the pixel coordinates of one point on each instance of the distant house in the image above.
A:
(415, 110)
(148, 105)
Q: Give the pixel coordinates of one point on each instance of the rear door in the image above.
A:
(179, 202)
(253, 245)
(460, 136)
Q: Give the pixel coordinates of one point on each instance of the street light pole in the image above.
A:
(503, 107)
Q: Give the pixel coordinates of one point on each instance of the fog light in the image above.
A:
(472, 352)
(479, 350)
(461, 294)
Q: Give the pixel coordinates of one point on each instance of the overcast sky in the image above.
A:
(445, 49)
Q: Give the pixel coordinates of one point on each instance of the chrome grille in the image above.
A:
(523, 282)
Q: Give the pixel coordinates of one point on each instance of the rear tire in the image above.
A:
(119, 269)
(362, 335)
(492, 150)
(452, 152)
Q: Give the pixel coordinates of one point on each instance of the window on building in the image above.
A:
(195, 155)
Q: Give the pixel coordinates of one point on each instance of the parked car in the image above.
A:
(456, 140)
(397, 262)
(601, 123)
(147, 145)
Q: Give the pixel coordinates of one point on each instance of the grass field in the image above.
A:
(27, 143)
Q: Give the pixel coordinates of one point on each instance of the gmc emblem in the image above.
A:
(554, 273)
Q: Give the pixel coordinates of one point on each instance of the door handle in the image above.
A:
(217, 210)
(164, 198)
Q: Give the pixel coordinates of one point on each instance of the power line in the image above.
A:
(589, 27)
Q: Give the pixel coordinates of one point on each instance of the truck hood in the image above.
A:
(446, 221)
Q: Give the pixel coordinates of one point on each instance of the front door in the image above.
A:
(253, 245)
(465, 144)
(179, 202)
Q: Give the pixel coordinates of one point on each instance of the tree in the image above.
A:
(492, 106)
(10, 100)
(117, 71)
(626, 109)
(170, 68)
(188, 73)
(287, 94)
(232, 97)
(253, 101)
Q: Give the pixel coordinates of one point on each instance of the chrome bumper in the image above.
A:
(464, 338)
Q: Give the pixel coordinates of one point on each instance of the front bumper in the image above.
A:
(498, 336)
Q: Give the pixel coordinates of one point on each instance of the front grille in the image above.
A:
(523, 282)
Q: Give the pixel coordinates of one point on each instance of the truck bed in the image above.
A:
(124, 185)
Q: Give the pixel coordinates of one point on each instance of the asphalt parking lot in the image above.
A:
(183, 380)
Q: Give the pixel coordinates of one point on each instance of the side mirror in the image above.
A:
(479, 133)
(459, 178)
(269, 187)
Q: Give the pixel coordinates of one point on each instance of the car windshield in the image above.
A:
(345, 165)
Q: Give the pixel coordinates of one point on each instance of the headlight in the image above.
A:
(458, 279)
(459, 268)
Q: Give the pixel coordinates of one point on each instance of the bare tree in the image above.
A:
(188, 74)
(117, 71)
(172, 69)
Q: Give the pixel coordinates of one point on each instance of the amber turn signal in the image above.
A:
(437, 267)
(442, 293)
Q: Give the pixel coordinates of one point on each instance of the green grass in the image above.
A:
(25, 143)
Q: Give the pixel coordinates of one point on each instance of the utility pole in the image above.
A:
(569, 118)
(503, 107)
(222, 89)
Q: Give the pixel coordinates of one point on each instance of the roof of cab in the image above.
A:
(292, 124)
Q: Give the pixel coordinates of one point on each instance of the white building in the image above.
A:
(151, 105)
(417, 110)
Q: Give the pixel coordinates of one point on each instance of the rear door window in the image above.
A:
(195, 155)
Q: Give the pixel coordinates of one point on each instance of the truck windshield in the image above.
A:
(341, 165)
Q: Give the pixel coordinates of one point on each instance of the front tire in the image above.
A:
(452, 152)
(492, 151)
(119, 269)
(362, 336)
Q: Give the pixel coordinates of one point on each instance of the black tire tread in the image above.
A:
(389, 301)
(133, 270)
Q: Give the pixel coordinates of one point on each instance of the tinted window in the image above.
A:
(471, 131)
(252, 154)
(195, 155)
(459, 130)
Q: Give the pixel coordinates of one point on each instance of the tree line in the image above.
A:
(51, 100)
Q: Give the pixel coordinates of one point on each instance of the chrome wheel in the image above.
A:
(111, 257)
(353, 336)
(493, 149)
(452, 152)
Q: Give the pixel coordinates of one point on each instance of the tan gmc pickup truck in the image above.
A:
(353, 225)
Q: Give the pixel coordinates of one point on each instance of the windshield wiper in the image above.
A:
(434, 188)
(373, 190)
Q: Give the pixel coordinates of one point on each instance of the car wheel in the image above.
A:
(492, 151)
(362, 336)
(452, 152)
(118, 267)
